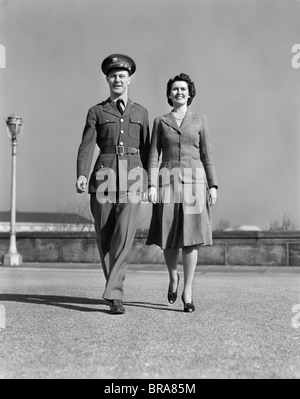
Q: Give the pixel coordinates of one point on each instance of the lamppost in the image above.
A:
(14, 128)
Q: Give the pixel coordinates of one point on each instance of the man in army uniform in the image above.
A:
(120, 128)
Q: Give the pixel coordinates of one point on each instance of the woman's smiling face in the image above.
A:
(179, 93)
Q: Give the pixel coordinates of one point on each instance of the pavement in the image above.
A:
(54, 324)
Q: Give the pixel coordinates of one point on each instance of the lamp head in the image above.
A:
(14, 127)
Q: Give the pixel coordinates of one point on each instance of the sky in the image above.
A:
(238, 53)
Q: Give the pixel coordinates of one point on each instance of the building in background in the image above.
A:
(40, 221)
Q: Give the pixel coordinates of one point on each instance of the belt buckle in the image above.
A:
(122, 152)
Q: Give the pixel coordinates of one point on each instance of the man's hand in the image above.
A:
(213, 196)
(81, 184)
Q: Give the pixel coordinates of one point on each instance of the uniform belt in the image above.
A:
(120, 150)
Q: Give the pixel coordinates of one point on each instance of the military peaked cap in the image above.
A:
(119, 61)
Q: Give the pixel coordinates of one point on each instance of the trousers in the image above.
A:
(115, 225)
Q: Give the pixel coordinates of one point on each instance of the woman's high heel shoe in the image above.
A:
(188, 307)
(172, 296)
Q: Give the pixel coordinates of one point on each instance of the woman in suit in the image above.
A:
(182, 187)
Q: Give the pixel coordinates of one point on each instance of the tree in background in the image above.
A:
(285, 225)
(222, 224)
(75, 216)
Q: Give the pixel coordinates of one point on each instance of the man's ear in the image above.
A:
(129, 80)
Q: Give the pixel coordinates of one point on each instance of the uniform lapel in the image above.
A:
(130, 107)
(109, 106)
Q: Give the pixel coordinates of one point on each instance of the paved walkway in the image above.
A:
(246, 325)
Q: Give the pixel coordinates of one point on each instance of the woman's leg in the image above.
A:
(171, 258)
(189, 257)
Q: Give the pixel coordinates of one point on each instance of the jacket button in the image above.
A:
(122, 120)
(121, 143)
(122, 131)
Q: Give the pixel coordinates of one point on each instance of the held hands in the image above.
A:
(212, 196)
(81, 184)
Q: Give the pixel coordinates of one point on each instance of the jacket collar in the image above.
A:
(170, 120)
(110, 107)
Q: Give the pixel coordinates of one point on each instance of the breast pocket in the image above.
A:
(107, 129)
(135, 129)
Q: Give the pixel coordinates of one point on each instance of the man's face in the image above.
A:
(118, 81)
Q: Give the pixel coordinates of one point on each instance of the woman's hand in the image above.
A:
(152, 195)
(213, 196)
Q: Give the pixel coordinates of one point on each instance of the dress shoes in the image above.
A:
(188, 307)
(116, 307)
(172, 296)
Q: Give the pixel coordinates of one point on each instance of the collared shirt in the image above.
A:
(123, 98)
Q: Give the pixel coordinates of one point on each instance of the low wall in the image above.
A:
(230, 248)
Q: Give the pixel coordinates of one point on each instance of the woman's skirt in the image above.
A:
(180, 223)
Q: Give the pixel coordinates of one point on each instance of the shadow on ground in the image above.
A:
(66, 302)
(75, 303)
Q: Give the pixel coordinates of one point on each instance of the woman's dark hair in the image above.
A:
(181, 78)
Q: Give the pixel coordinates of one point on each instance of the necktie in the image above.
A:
(120, 106)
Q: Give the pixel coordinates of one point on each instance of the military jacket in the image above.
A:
(110, 130)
